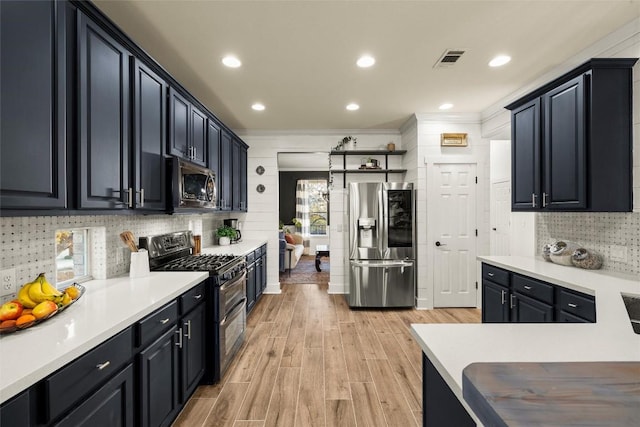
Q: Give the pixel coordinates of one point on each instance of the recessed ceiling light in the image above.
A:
(258, 107)
(353, 107)
(231, 61)
(499, 61)
(366, 61)
(445, 106)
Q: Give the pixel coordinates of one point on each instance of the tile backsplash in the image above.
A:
(28, 243)
(602, 232)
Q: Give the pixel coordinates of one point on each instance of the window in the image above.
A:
(72, 255)
(317, 196)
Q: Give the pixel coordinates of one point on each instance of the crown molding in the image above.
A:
(315, 132)
(474, 118)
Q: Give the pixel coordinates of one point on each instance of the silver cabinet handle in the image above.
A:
(141, 197)
(533, 199)
(129, 192)
(527, 287)
(544, 200)
(504, 296)
(572, 305)
(101, 366)
(164, 321)
(179, 332)
(188, 325)
(195, 151)
(197, 296)
(490, 274)
(511, 301)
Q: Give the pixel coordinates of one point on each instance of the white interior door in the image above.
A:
(500, 218)
(454, 231)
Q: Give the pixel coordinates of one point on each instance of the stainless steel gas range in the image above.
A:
(225, 293)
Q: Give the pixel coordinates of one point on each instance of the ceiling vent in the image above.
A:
(449, 58)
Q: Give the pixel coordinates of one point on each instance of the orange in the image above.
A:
(8, 324)
(27, 311)
(25, 320)
(73, 292)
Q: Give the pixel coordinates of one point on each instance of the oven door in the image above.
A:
(231, 293)
(232, 328)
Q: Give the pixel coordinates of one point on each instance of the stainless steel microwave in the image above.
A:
(192, 186)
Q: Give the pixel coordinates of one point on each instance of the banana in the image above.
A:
(23, 296)
(41, 290)
(47, 288)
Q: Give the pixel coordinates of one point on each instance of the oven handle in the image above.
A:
(240, 306)
(230, 284)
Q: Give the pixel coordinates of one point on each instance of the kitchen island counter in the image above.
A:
(106, 308)
(452, 347)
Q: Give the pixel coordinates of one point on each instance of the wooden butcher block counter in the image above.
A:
(554, 394)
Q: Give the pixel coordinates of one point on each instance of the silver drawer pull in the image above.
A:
(197, 296)
(528, 288)
(490, 274)
(101, 366)
(503, 294)
(572, 305)
(179, 332)
(164, 321)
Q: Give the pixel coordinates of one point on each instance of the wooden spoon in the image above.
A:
(129, 240)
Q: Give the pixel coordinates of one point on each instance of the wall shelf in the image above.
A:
(344, 171)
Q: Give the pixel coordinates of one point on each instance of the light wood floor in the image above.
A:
(308, 360)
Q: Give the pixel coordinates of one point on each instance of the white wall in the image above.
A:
(262, 218)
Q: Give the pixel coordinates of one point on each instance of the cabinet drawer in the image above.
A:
(250, 257)
(79, 377)
(154, 324)
(564, 317)
(581, 305)
(191, 298)
(16, 412)
(533, 288)
(495, 274)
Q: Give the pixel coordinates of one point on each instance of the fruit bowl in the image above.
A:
(81, 290)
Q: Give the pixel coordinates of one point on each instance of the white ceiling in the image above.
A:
(299, 56)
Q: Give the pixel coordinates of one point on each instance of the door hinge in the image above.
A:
(476, 232)
(476, 285)
(476, 179)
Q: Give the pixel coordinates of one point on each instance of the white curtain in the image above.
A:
(302, 206)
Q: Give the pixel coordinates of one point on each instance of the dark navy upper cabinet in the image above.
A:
(239, 176)
(525, 156)
(104, 142)
(564, 146)
(571, 141)
(187, 129)
(149, 136)
(32, 105)
(225, 196)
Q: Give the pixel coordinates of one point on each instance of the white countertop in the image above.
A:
(106, 308)
(240, 248)
(452, 347)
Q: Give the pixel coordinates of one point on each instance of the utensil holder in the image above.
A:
(139, 264)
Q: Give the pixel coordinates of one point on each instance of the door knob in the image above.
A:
(440, 244)
(494, 229)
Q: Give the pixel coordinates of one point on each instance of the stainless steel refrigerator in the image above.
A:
(381, 220)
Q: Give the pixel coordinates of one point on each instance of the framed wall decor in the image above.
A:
(453, 140)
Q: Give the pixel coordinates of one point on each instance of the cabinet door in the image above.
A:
(263, 284)
(111, 405)
(224, 195)
(193, 361)
(32, 105)
(103, 119)
(565, 176)
(251, 286)
(149, 139)
(495, 303)
(198, 144)
(525, 157)
(159, 386)
(259, 272)
(528, 310)
(239, 176)
(179, 121)
(17, 411)
(214, 143)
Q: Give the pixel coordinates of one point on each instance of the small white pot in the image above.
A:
(224, 241)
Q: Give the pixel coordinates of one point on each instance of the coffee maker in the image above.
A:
(233, 223)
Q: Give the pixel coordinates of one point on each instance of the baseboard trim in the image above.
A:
(423, 304)
(273, 289)
(336, 289)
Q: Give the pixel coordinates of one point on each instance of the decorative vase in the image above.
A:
(224, 241)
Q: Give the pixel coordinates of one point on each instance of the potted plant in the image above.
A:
(225, 234)
(346, 143)
(297, 223)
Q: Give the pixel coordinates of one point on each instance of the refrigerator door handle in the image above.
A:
(388, 264)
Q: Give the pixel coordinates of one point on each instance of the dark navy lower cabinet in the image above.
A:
(495, 303)
(17, 411)
(529, 310)
(440, 406)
